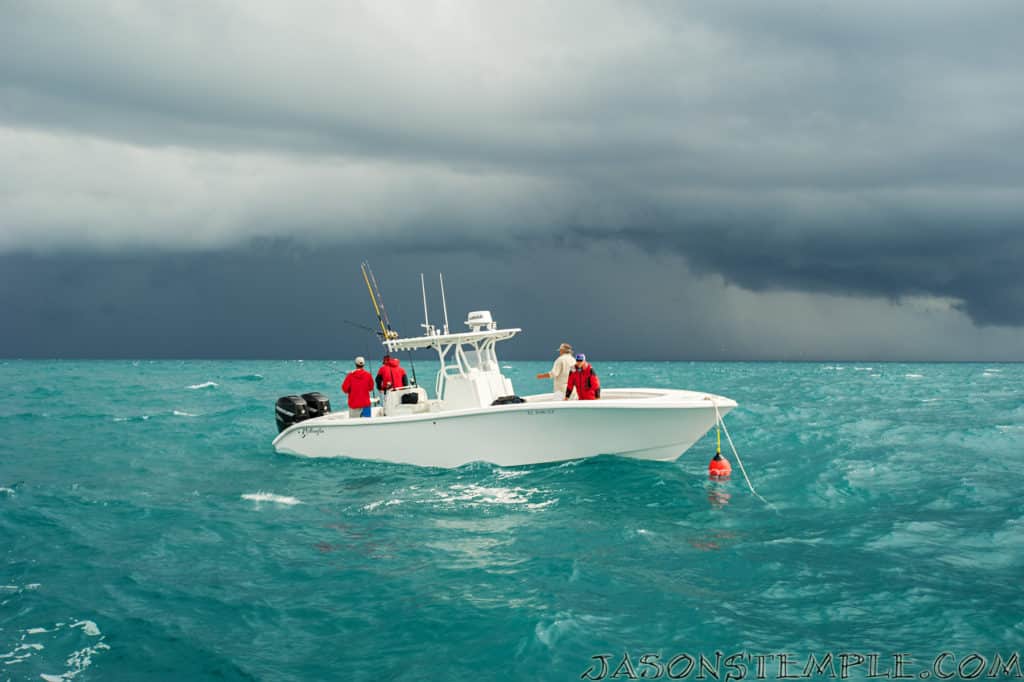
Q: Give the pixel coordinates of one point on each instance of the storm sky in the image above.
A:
(657, 180)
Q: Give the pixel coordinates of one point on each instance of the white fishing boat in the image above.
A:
(475, 414)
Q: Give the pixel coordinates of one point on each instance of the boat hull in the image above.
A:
(638, 423)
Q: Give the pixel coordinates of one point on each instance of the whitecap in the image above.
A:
(914, 376)
(506, 366)
(864, 369)
(9, 491)
(88, 627)
(79, 660)
(378, 503)
(542, 505)
(205, 384)
(993, 369)
(794, 541)
(271, 497)
(179, 413)
(35, 631)
(513, 473)
(20, 653)
(477, 494)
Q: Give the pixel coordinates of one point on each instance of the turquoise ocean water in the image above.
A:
(149, 532)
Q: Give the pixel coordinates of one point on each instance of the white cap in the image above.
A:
(360, 361)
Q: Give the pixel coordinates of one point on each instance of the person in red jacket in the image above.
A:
(390, 375)
(584, 380)
(358, 384)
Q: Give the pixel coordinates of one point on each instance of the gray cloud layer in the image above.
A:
(280, 298)
(856, 150)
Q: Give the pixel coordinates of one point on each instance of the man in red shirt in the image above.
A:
(390, 375)
(358, 384)
(583, 378)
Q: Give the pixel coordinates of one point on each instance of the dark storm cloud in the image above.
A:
(856, 150)
(980, 267)
(288, 299)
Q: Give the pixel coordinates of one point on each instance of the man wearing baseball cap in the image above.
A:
(583, 379)
(559, 373)
(358, 384)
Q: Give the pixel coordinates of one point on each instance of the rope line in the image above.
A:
(736, 454)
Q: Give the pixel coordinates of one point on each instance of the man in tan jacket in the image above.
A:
(559, 373)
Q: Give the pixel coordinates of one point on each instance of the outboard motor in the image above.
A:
(289, 410)
(317, 404)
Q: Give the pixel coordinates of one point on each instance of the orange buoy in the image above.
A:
(719, 466)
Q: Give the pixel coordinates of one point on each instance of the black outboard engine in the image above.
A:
(317, 404)
(289, 410)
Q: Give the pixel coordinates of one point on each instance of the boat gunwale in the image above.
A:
(661, 399)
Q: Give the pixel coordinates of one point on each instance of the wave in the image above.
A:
(388, 503)
(179, 413)
(77, 661)
(262, 496)
(205, 384)
(88, 627)
(476, 494)
(140, 418)
(248, 377)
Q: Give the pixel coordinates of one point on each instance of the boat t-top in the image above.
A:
(476, 415)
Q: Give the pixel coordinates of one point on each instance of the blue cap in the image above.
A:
(580, 356)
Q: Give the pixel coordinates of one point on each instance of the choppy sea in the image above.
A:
(148, 531)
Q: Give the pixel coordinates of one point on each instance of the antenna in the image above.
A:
(426, 317)
(444, 304)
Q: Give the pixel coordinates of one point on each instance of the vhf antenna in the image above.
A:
(426, 318)
(444, 304)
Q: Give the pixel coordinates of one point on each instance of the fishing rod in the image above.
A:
(362, 326)
(386, 331)
(378, 301)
